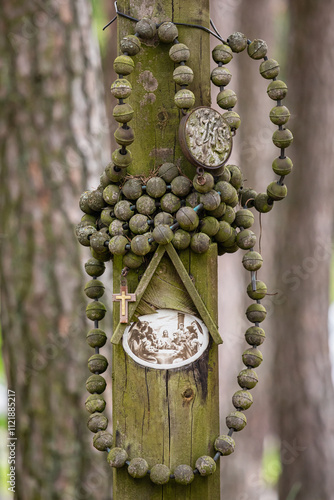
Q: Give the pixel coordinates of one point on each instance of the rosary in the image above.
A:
(141, 219)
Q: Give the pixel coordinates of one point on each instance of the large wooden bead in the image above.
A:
(225, 445)
(237, 41)
(124, 136)
(102, 440)
(83, 203)
(156, 187)
(104, 180)
(96, 338)
(192, 199)
(94, 289)
(93, 267)
(224, 232)
(259, 293)
(107, 216)
(277, 191)
(209, 226)
(187, 218)
(146, 28)
(117, 245)
(123, 113)
(163, 218)
(247, 379)
(222, 54)
(114, 173)
(246, 239)
(96, 383)
(146, 205)
(203, 183)
(283, 138)
(210, 200)
(97, 363)
(252, 261)
(242, 400)
(227, 99)
(116, 228)
(162, 234)
(236, 176)
(233, 119)
(123, 65)
(168, 172)
(252, 357)
(282, 166)
(269, 69)
(230, 244)
(123, 210)
(257, 49)
(160, 474)
(121, 88)
(103, 257)
(248, 197)
(262, 203)
(117, 457)
(236, 421)
(256, 313)
(184, 99)
(132, 189)
(181, 239)
(138, 467)
(219, 211)
(167, 32)
(206, 465)
(221, 76)
(183, 474)
(138, 224)
(179, 53)
(244, 218)
(200, 243)
(279, 115)
(132, 261)
(84, 232)
(223, 174)
(255, 336)
(130, 44)
(170, 203)
(98, 240)
(97, 422)
(183, 75)
(111, 194)
(122, 159)
(140, 245)
(181, 186)
(277, 90)
(226, 190)
(95, 311)
(95, 403)
(95, 200)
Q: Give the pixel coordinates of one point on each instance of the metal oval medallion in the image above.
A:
(165, 340)
(205, 138)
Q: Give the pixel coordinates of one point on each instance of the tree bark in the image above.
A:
(53, 140)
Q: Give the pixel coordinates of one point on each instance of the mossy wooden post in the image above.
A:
(166, 416)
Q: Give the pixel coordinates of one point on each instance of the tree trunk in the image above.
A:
(53, 138)
(303, 397)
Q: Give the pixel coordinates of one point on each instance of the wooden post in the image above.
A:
(166, 416)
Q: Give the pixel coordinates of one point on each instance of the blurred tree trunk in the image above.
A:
(54, 136)
(303, 397)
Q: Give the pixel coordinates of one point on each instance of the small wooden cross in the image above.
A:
(124, 298)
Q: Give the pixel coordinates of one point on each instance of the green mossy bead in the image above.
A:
(256, 313)
(229, 215)
(237, 41)
(184, 99)
(181, 239)
(225, 445)
(230, 243)
(168, 172)
(117, 245)
(242, 400)
(132, 189)
(187, 218)
(116, 228)
(183, 75)
(162, 234)
(277, 90)
(183, 474)
(130, 44)
(235, 200)
(227, 191)
(167, 32)
(210, 200)
(146, 28)
(252, 261)
(93, 267)
(255, 336)
(97, 242)
(192, 199)
(236, 421)
(224, 233)
(117, 457)
(124, 136)
(246, 239)
(163, 218)
(138, 468)
(282, 166)
(257, 49)
(95, 200)
(114, 175)
(94, 289)
(262, 204)
(138, 224)
(206, 465)
(221, 76)
(222, 53)
(283, 138)
(102, 440)
(95, 403)
(248, 197)
(269, 69)
(123, 113)
(203, 183)
(200, 243)
(140, 245)
(84, 232)
(233, 119)
(259, 293)
(146, 205)
(123, 65)
(160, 474)
(231, 249)
(97, 363)
(209, 226)
(111, 194)
(104, 180)
(107, 216)
(247, 379)
(170, 203)
(132, 261)
(181, 186)
(179, 53)
(96, 383)
(252, 357)
(122, 160)
(89, 219)
(219, 211)
(102, 257)
(277, 191)
(223, 174)
(153, 244)
(96, 311)
(279, 115)
(96, 338)
(83, 203)
(244, 218)
(156, 187)
(227, 99)
(121, 88)
(97, 422)
(236, 176)
(123, 210)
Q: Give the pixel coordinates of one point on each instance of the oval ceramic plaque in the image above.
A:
(205, 138)
(165, 340)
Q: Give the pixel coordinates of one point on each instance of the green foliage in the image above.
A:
(271, 464)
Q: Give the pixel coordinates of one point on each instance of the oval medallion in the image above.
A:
(165, 340)
(205, 138)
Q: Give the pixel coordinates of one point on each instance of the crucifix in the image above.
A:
(123, 297)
